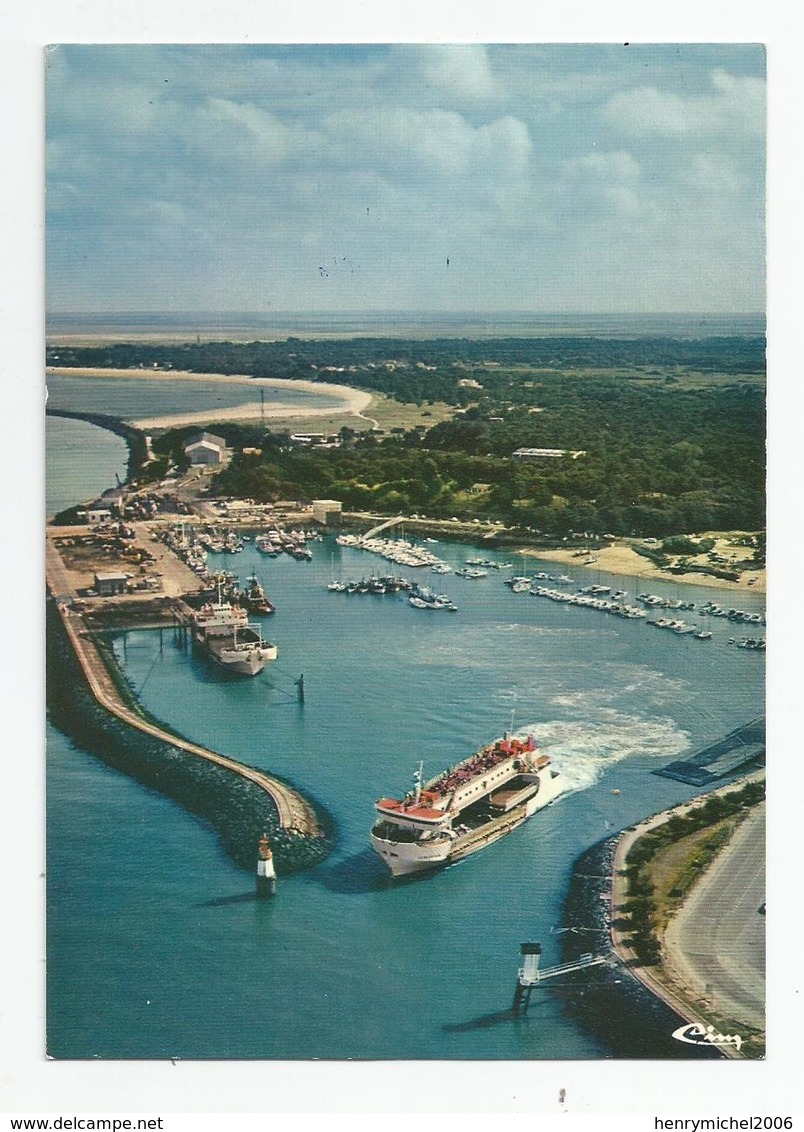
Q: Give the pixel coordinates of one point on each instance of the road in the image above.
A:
(674, 983)
(717, 940)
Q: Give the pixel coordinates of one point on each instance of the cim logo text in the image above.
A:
(696, 1034)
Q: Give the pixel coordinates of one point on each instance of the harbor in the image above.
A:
(609, 699)
(84, 614)
(387, 687)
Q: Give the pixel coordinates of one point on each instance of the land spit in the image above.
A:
(351, 401)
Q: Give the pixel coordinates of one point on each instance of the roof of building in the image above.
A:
(205, 438)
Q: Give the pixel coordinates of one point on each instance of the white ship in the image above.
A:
(466, 808)
(244, 653)
(219, 618)
(224, 633)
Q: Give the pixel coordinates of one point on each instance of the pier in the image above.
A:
(742, 749)
(386, 526)
(294, 812)
(530, 975)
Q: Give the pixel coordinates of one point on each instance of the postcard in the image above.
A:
(405, 554)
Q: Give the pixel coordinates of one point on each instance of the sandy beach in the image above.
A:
(624, 560)
(352, 401)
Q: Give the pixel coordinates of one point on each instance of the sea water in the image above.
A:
(133, 398)
(157, 945)
(82, 461)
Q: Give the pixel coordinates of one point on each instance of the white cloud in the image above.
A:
(735, 105)
(231, 125)
(404, 144)
(714, 174)
(456, 71)
(241, 170)
(616, 165)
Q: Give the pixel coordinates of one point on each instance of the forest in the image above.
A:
(671, 431)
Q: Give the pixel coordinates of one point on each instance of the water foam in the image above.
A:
(582, 749)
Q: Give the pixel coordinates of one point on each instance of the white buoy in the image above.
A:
(266, 876)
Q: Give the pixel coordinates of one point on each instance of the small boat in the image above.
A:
(253, 599)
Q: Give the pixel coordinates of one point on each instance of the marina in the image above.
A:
(607, 699)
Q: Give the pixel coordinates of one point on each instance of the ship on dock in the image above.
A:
(244, 653)
(223, 632)
(465, 808)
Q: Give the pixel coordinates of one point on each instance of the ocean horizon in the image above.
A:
(217, 324)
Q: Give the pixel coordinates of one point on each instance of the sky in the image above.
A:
(473, 177)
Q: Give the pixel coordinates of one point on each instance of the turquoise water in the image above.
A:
(157, 946)
(131, 399)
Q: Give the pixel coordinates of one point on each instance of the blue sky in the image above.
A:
(406, 177)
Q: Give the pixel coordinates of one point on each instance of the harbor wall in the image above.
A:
(237, 809)
(610, 1002)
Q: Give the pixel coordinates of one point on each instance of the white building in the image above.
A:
(544, 453)
(206, 448)
(327, 511)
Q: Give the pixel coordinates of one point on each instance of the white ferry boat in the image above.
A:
(473, 804)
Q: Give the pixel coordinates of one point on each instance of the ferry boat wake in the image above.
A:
(465, 808)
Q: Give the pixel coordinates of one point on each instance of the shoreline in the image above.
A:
(623, 560)
(353, 402)
(672, 984)
(619, 558)
(610, 1002)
